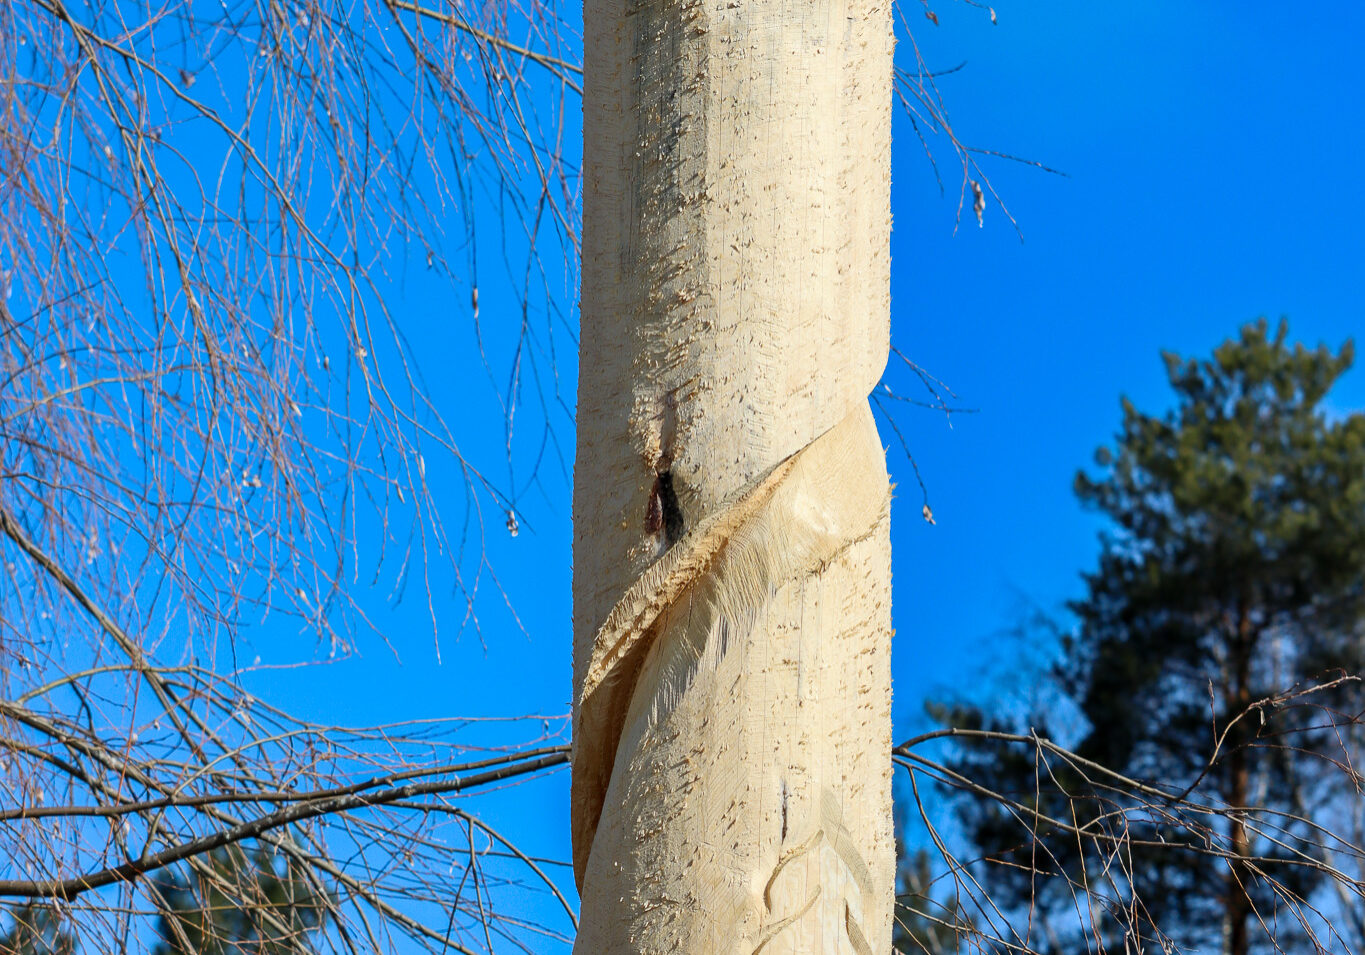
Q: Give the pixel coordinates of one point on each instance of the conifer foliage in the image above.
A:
(36, 928)
(274, 911)
(1214, 667)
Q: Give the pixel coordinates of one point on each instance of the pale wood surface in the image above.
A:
(732, 693)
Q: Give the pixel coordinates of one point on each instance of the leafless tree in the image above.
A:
(1085, 831)
(211, 414)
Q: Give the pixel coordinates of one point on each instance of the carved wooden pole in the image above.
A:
(731, 788)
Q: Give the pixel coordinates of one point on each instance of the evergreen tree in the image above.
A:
(923, 925)
(36, 929)
(1232, 570)
(251, 903)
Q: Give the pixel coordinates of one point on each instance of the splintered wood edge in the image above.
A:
(629, 628)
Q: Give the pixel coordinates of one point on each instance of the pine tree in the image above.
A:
(36, 929)
(249, 903)
(1232, 572)
(924, 924)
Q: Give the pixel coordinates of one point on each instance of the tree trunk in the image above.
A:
(1237, 904)
(731, 788)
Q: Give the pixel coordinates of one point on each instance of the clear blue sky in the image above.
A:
(1212, 152)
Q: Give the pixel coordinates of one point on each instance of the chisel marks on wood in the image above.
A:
(829, 833)
(807, 510)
